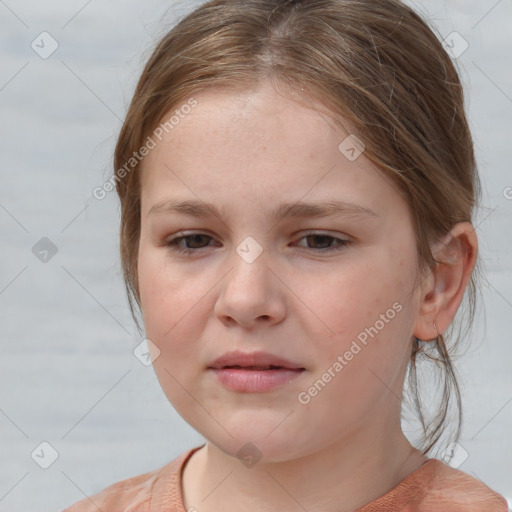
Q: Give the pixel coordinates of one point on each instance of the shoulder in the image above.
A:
(134, 494)
(125, 495)
(455, 490)
(436, 486)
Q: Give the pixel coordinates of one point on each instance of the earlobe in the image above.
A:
(436, 335)
(444, 290)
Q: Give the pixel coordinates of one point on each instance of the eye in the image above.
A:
(188, 244)
(194, 240)
(324, 240)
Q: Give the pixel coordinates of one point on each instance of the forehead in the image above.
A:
(248, 121)
(257, 146)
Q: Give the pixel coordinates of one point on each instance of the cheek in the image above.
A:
(367, 321)
(166, 295)
(172, 311)
(167, 301)
(353, 298)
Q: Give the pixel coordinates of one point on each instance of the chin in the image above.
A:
(253, 447)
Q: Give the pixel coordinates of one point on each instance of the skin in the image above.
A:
(247, 154)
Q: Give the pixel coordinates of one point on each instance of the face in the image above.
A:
(328, 292)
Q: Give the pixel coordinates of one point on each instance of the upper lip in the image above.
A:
(237, 358)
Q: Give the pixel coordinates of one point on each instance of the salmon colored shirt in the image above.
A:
(434, 487)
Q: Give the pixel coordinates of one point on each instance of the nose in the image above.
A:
(250, 294)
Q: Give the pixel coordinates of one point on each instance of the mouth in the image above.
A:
(257, 372)
(253, 361)
(260, 368)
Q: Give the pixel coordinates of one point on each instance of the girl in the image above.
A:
(297, 182)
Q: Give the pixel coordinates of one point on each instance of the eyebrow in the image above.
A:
(298, 209)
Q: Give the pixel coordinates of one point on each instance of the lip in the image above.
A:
(247, 359)
(238, 371)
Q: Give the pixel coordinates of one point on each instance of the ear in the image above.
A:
(443, 290)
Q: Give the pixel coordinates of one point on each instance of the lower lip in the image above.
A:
(254, 381)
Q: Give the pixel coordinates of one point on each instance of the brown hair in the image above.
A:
(375, 63)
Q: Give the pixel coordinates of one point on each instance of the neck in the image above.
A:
(340, 477)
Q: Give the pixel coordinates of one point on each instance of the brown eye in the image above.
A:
(324, 243)
(192, 242)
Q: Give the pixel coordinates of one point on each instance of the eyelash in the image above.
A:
(173, 244)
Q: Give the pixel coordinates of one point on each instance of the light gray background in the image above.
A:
(67, 372)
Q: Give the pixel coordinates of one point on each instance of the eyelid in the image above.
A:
(322, 232)
(343, 239)
(172, 244)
